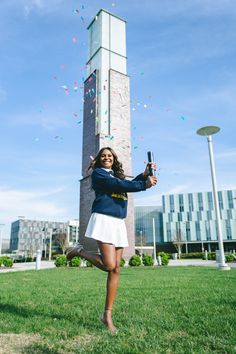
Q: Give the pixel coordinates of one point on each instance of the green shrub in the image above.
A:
(122, 262)
(147, 260)
(61, 261)
(164, 258)
(135, 261)
(89, 264)
(75, 262)
(211, 256)
(229, 257)
(196, 255)
(7, 262)
(28, 259)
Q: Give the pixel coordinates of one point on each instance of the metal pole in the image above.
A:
(38, 259)
(1, 238)
(154, 242)
(50, 246)
(222, 263)
(141, 233)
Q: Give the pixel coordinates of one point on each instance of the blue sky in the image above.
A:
(181, 62)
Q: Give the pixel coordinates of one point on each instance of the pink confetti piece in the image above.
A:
(62, 66)
(91, 157)
(55, 77)
(76, 11)
(75, 114)
(74, 39)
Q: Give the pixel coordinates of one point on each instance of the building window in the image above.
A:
(181, 202)
(208, 231)
(180, 217)
(230, 199)
(210, 200)
(163, 204)
(228, 230)
(189, 216)
(190, 202)
(168, 232)
(200, 201)
(220, 197)
(170, 217)
(229, 214)
(209, 215)
(198, 230)
(172, 203)
(188, 234)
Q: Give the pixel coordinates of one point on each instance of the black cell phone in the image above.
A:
(151, 159)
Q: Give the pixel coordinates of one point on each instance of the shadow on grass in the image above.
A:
(29, 313)
(40, 348)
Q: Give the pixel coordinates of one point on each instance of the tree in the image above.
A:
(178, 241)
(62, 240)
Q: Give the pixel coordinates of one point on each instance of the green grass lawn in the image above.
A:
(162, 310)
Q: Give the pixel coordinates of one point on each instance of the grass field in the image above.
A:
(163, 310)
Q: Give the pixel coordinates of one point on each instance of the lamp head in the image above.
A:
(209, 130)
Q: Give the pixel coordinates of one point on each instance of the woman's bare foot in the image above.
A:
(107, 320)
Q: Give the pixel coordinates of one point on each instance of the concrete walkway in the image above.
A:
(18, 267)
(196, 262)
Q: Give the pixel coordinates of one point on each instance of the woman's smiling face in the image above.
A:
(106, 159)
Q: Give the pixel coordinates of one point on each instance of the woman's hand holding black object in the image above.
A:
(151, 181)
(149, 164)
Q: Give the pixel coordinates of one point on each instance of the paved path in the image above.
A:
(196, 262)
(17, 267)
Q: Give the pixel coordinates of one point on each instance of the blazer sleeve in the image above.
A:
(103, 180)
(140, 177)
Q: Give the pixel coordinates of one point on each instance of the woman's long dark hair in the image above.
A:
(116, 167)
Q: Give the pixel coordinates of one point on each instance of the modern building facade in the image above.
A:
(192, 216)
(29, 235)
(106, 120)
(144, 216)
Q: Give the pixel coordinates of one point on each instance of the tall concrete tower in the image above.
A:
(106, 111)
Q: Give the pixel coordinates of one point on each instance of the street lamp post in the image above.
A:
(141, 241)
(208, 132)
(154, 242)
(1, 237)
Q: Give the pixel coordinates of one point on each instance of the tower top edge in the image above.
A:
(109, 13)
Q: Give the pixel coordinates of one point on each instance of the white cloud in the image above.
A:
(34, 204)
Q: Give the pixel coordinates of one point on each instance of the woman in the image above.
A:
(106, 224)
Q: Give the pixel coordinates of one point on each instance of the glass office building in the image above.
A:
(29, 235)
(144, 216)
(193, 216)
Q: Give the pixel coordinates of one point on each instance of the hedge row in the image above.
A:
(135, 261)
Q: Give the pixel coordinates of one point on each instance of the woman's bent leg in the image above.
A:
(105, 261)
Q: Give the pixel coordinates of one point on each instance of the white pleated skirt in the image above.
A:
(107, 229)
